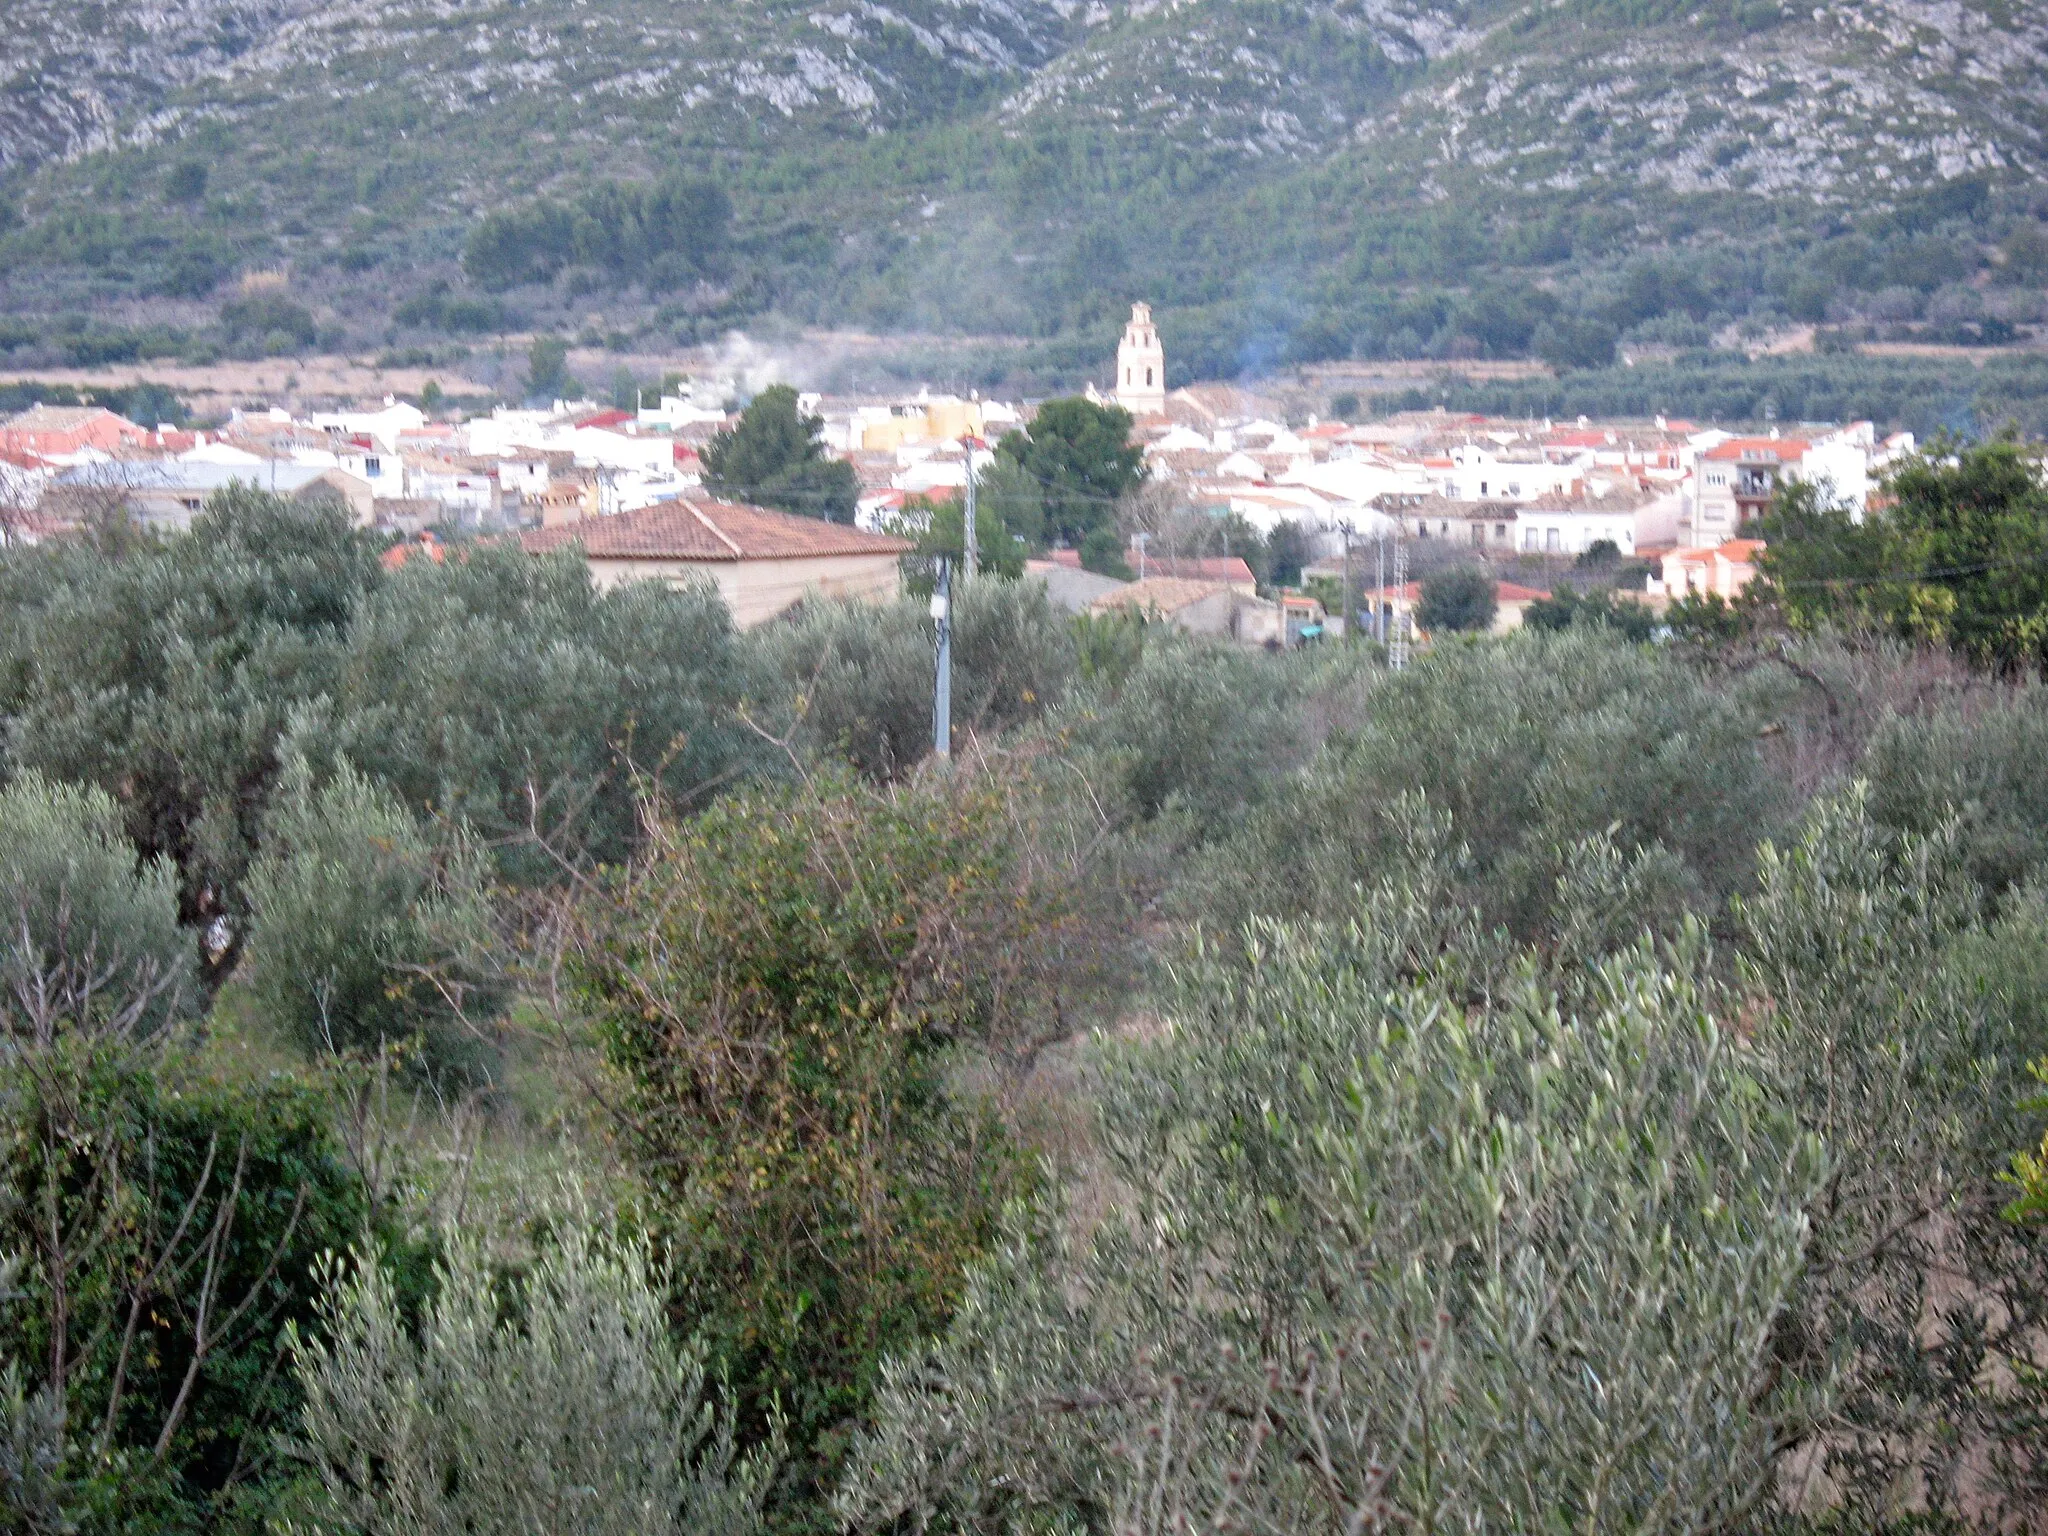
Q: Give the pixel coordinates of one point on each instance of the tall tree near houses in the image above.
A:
(774, 456)
(1082, 458)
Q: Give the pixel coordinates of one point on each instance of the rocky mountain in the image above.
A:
(72, 76)
(1842, 104)
(1350, 169)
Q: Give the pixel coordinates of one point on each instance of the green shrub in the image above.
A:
(1975, 759)
(1402, 1235)
(363, 932)
(1600, 608)
(1529, 747)
(1461, 598)
(165, 673)
(171, 1222)
(508, 693)
(1194, 729)
(855, 680)
(553, 1400)
(92, 937)
(1904, 1022)
(268, 321)
(797, 989)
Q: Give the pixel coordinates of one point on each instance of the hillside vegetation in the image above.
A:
(482, 1054)
(1287, 180)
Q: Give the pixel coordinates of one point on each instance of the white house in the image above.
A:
(1474, 473)
(384, 426)
(378, 467)
(469, 494)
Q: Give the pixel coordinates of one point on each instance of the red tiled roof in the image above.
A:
(1206, 568)
(611, 418)
(1165, 594)
(710, 530)
(1783, 449)
(426, 544)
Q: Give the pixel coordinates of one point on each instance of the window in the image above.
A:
(1148, 378)
(1127, 376)
(1479, 533)
(1550, 541)
(1529, 540)
(373, 466)
(1500, 532)
(1444, 528)
(1482, 487)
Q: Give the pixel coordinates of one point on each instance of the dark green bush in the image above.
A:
(263, 318)
(172, 1223)
(1461, 598)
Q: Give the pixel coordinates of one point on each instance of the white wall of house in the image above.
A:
(379, 468)
(1544, 532)
(1476, 474)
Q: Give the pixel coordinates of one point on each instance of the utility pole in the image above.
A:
(1350, 608)
(971, 566)
(1397, 651)
(942, 681)
(1379, 602)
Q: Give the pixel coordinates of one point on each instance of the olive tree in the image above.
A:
(1904, 1014)
(91, 935)
(1406, 1232)
(553, 1402)
(364, 930)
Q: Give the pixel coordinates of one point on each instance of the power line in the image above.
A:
(1919, 577)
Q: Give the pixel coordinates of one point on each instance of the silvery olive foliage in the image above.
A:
(1400, 1226)
(551, 1404)
(89, 936)
(1904, 1012)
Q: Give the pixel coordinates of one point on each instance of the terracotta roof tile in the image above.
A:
(1163, 594)
(710, 530)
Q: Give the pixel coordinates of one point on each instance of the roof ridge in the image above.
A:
(717, 532)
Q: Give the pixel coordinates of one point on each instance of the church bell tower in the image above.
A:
(1141, 366)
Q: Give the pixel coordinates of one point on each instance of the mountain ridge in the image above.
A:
(1360, 172)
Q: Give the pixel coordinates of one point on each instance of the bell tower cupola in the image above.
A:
(1141, 366)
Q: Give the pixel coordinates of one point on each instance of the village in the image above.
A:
(1663, 507)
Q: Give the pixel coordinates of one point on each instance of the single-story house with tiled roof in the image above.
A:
(63, 429)
(169, 493)
(763, 562)
(1199, 607)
